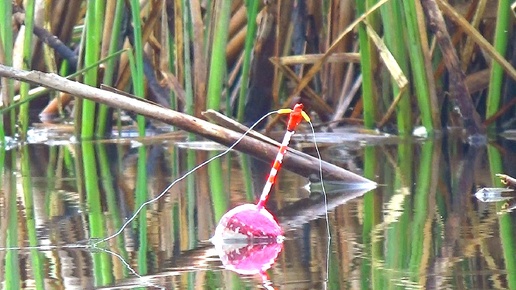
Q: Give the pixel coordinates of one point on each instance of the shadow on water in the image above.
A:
(422, 227)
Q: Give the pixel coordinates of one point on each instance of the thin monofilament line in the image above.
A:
(152, 200)
(44, 247)
(325, 203)
(74, 246)
(121, 259)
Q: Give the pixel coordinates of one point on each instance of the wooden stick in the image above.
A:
(299, 164)
(458, 89)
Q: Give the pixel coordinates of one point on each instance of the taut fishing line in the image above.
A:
(179, 179)
(94, 242)
(326, 214)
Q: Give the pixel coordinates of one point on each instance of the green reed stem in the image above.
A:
(367, 70)
(51, 172)
(252, 12)
(189, 109)
(417, 63)
(236, 282)
(12, 261)
(141, 197)
(501, 37)
(111, 199)
(191, 200)
(218, 64)
(106, 181)
(334, 277)
(370, 217)
(138, 80)
(392, 18)
(101, 261)
(6, 46)
(505, 220)
(92, 50)
(215, 83)
(507, 235)
(421, 207)
(27, 59)
(247, 177)
(28, 200)
(218, 195)
(110, 66)
(398, 233)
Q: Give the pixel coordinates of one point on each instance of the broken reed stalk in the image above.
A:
(293, 161)
(458, 90)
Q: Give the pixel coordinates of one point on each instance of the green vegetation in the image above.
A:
(35, 255)
(373, 63)
(92, 42)
(501, 38)
(210, 54)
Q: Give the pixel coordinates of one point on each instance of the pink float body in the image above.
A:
(248, 239)
(248, 223)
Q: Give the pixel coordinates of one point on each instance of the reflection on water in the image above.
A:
(423, 228)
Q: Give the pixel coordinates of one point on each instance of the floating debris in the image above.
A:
(494, 194)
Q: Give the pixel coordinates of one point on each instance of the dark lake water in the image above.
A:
(422, 228)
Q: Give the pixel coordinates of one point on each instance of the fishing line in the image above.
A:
(94, 242)
(179, 179)
(79, 247)
(325, 203)
(44, 247)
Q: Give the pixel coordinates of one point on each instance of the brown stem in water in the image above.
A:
(458, 89)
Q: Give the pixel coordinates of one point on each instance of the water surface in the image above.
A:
(421, 228)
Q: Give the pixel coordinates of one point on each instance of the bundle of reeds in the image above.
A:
(388, 64)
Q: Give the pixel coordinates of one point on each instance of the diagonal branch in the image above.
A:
(295, 161)
(458, 89)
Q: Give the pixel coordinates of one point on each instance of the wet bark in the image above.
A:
(458, 90)
(294, 161)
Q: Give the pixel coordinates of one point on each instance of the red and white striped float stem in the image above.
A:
(296, 116)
